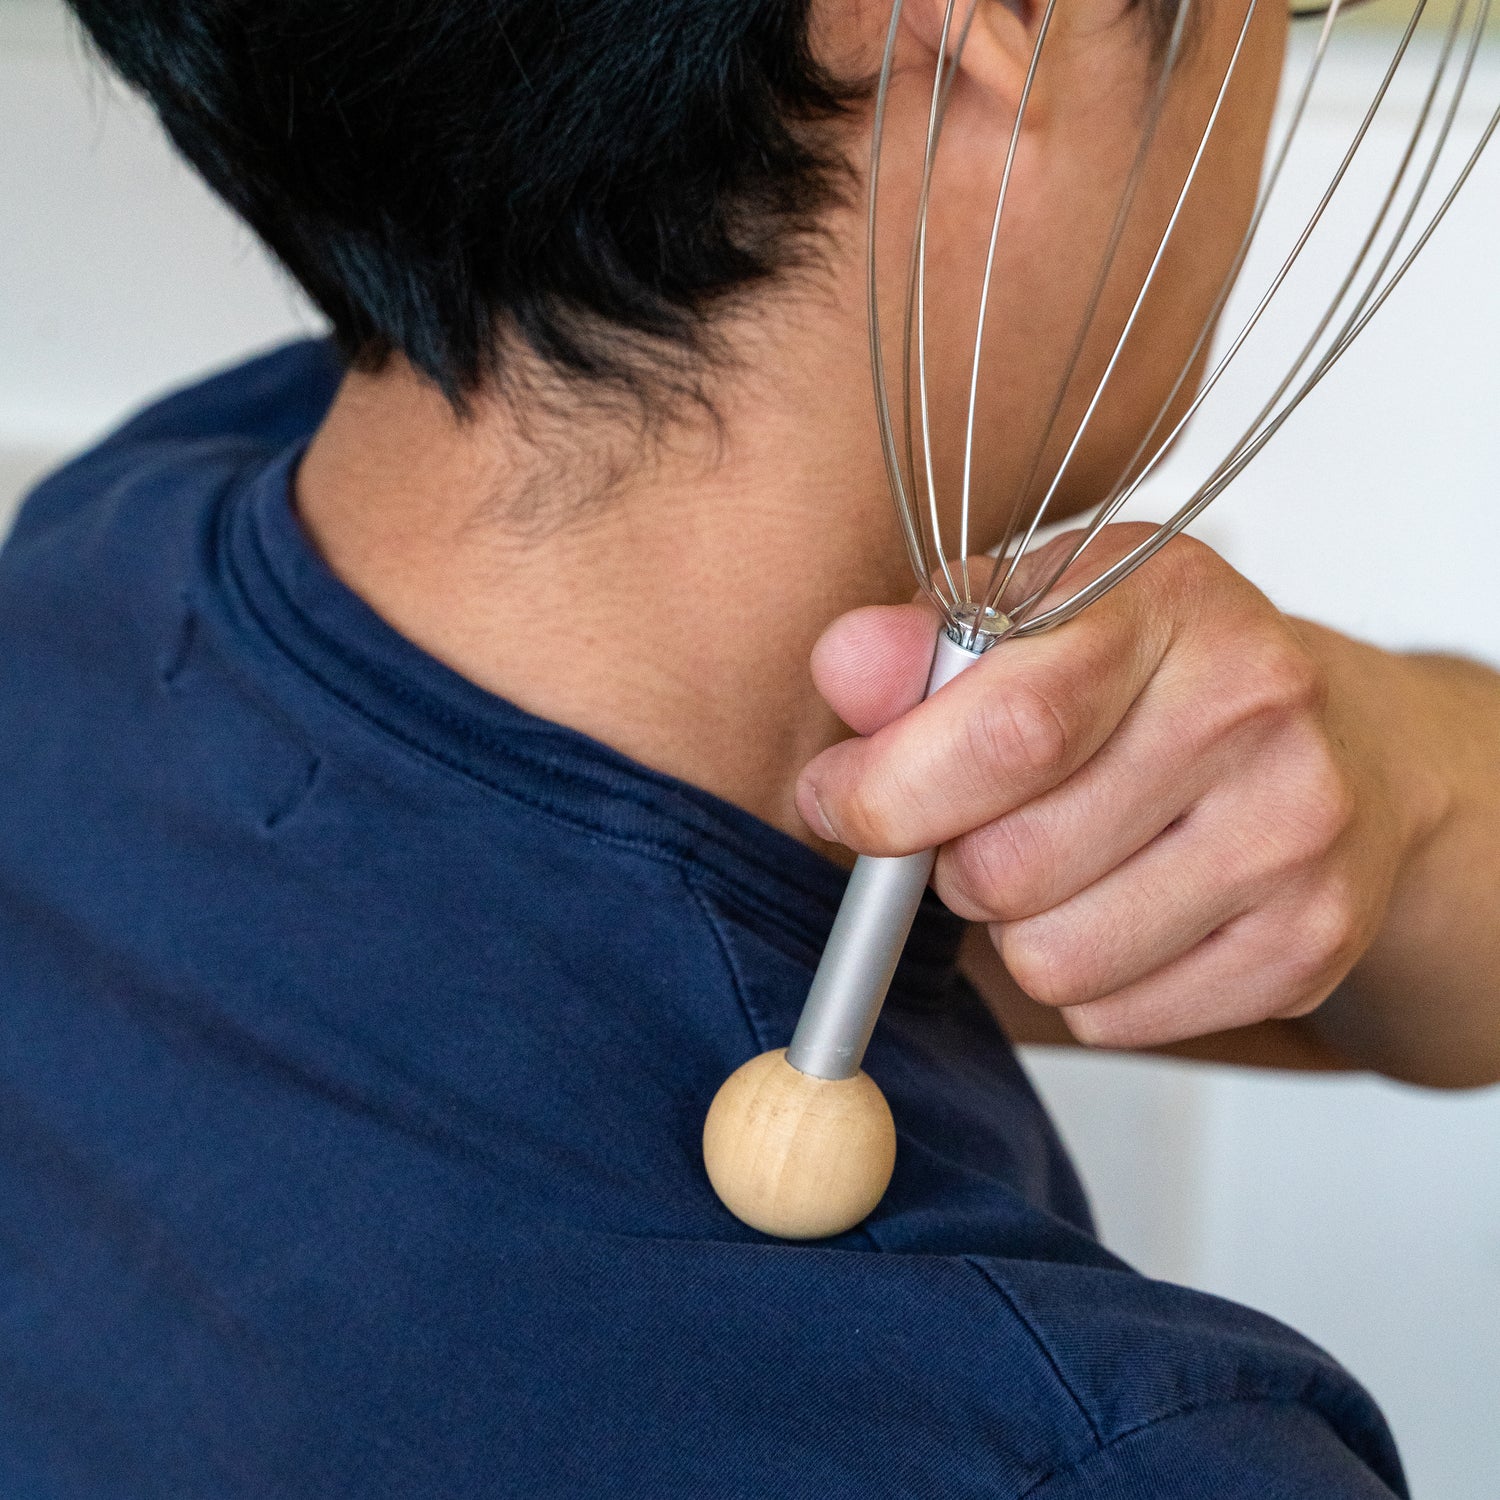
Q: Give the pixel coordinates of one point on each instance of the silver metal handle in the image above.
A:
(873, 922)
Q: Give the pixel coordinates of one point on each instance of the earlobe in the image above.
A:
(997, 40)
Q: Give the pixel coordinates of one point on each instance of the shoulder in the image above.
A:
(1253, 1448)
(873, 1374)
(1167, 1379)
(103, 548)
(184, 439)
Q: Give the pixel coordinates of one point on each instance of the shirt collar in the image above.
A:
(339, 642)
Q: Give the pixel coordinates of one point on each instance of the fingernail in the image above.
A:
(813, 813)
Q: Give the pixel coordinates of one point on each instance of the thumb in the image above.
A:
(871, 665)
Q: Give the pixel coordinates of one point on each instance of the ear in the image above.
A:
(997, 48)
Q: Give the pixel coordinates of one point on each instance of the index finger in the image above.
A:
(1027, 715)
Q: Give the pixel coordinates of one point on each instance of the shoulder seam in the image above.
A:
(1176, 1414)
(1047, 1354)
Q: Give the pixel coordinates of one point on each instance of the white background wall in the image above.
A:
(1365, 1213)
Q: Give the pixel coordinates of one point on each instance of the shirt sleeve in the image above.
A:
(1237, 1450)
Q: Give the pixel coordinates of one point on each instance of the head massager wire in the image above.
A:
(799, 1141)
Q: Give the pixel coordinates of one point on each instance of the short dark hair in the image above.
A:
(441, 176)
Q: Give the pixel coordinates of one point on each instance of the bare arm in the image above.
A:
(1423, 1001)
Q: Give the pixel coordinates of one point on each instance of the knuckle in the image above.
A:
(971, 879)
(990, 871)
(1288, 679)
(1328, 934)
(1043, 965)
(1191, 572)
(1313, 810)
(1326, 808)
(1189, 558)
(855, 822)
(1122, 537)
(1020, 731)
(1289, 826)
(1273, 681)
(864, 815)
(1301, 678)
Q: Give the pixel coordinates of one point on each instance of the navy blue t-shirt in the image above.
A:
(356, 1035)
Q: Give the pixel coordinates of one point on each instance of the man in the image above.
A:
(407, 825)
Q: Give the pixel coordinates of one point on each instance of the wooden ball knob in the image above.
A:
(798, 1156)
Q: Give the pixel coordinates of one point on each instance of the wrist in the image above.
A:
(1387, 712)
(1423, 1001)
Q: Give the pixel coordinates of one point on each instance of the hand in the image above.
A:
(1171, 821)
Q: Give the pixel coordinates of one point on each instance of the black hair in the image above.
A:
(444, 177)
(594, 177)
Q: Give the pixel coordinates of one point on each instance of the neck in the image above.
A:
(663, 599)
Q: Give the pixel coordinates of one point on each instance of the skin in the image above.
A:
(1162, 850)
(1156, 851)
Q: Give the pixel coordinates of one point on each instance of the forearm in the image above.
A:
(1423, 1004)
